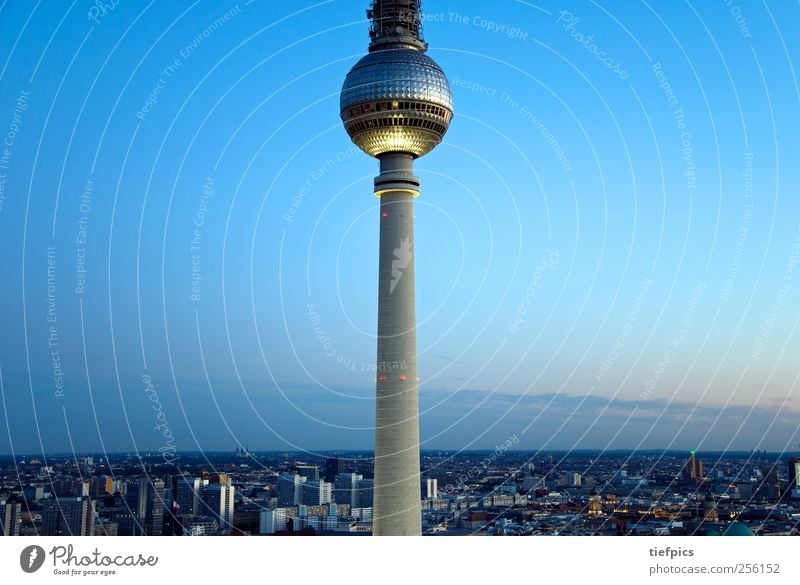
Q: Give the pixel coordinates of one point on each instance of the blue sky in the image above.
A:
(605, 250)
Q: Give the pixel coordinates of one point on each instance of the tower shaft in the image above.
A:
(396, 105)
(397, 466)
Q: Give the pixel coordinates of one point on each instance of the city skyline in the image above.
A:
(607, 245)
(498, 493)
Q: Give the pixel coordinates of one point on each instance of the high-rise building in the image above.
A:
(127, 522)
(290, 489)
(63, 486)
(310, 472)
(366, 493)
(364, 515)
(430, 489)
(316, 492)
(273, 521)
(12, 517)
(345, 489)
(396, 105)
(217, 501)
(104, 485)
(155, 518)
(770, 487)
(333, 467)
(68, 517)
(694, 468)
(145, 498)
(745, 491)
(793, 489)
(187, 494)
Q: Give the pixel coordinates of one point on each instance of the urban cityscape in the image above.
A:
(495, 493)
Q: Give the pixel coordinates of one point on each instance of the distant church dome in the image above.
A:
(738, 529)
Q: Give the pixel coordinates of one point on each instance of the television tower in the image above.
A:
(396, 105)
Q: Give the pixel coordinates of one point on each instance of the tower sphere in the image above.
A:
(396, 100)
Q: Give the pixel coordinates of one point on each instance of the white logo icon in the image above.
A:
(402, 259)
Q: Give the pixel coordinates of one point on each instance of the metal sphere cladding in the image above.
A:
(396, 100)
